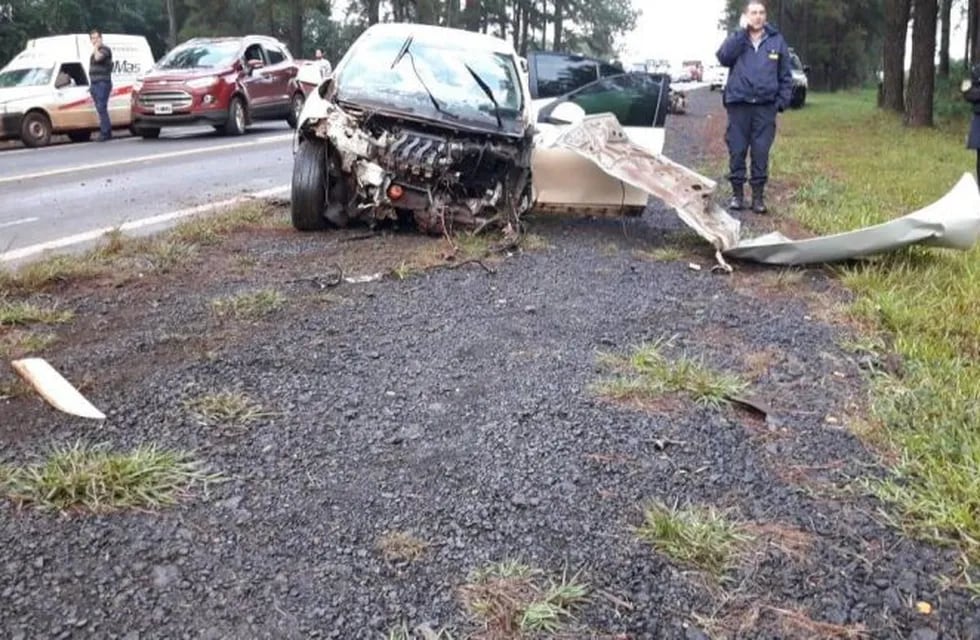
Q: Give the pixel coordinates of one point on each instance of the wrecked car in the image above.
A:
(421, 122)
(438, 126)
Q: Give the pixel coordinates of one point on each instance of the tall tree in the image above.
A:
(922, 72)
(945, 15)
(893, 58)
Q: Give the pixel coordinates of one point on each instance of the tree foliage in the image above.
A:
(305, 25)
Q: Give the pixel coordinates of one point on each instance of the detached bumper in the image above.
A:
(10, 125)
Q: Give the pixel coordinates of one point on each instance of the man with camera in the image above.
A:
(760, 85)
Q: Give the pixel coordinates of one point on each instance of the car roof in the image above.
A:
(444, 36)
(234, 39)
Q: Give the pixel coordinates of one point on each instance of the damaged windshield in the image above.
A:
(430, 74)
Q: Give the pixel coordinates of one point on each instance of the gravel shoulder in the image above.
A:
(460, 406)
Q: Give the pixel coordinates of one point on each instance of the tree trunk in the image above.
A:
(893, 54)
(922, 73)
(472, 14)
(945, 14)
(171, 25)
(975, 28)
(373, 11)
(296, 27)
(525, 25)
(559, 16)
(971, 10)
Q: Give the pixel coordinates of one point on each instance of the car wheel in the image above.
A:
(799, 99)
(235, 126)
(295, 108)
(35, 129)
(309, 189)
(147, 133)
(79, 136)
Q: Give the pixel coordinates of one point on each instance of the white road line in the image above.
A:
(16, 222)
(88, 236)
(147, 158)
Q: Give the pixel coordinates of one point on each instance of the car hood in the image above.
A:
(11, 95)
(164, 76)
(514, 128)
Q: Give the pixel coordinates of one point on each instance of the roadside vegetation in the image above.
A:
(648, 373)
(93, 478)
(226, 408)
(922, 302)
(120, 256)
(249, 304)
(702, 538)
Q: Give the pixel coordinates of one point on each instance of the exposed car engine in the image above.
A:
(381, 167)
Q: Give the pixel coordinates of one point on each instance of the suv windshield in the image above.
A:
(369, 75)
(200, 55)
(32, 77)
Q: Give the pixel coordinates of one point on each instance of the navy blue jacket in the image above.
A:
(757, 76)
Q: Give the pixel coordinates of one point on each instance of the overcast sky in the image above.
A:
(675, 30)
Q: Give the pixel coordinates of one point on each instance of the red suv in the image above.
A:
(225, 82)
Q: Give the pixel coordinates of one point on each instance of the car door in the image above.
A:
(257, 84)
(564, 180)
(280, 72)
(638, 100)
(74, 106)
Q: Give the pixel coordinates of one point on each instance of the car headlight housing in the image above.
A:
(138, 84)
(202, 83)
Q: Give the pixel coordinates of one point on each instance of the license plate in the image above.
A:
(163, 109)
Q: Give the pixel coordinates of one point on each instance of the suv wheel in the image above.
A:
(235, 126)
(295, 108)
(35, 129)
(309, 189)
(147, 133)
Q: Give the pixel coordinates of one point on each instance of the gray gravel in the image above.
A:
(457, 405)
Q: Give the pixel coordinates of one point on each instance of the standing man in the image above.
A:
(100, 82)
(760, 84)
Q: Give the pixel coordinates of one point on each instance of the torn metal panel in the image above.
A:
(602, 140)
(952, 222)
(53, 387)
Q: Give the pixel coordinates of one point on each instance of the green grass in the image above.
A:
(19, 343)
(229, 408)
(512, 599)
(857, 166)
(95, 479)
(648, 373)
(702, 538)
(254, 304)
(14, 312)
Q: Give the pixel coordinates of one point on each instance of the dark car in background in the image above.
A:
(800, 81)
(227, 83)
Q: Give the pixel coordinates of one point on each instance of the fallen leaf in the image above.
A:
(923, 607)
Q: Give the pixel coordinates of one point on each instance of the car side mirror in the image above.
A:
(62, 81)
(567, 113)
(255, 64)
(524, 66)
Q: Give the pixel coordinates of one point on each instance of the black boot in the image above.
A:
(737, 201)
(758, 200)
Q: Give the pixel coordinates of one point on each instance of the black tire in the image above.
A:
(79, 136)
(295, 107)
(35, 129)
(147, 133)
(799, 99)
(235, 126)
(309, 189)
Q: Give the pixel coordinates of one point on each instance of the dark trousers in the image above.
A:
(751, 128)
(100, 90)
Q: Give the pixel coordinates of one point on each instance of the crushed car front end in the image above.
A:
(417, 123)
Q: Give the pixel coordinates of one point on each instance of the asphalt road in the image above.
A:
(67, 195)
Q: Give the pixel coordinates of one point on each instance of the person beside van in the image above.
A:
(100, 82)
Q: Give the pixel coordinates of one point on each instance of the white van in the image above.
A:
(44, 89)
